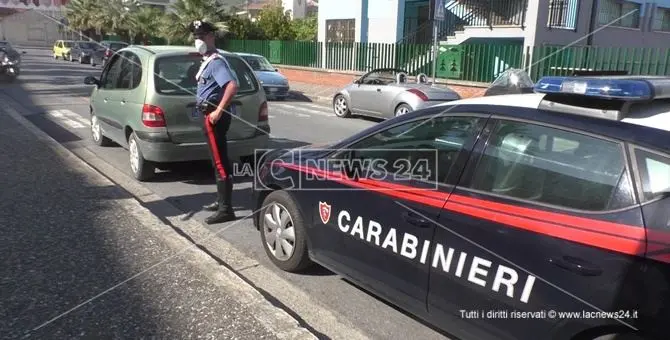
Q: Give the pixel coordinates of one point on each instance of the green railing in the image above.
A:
(477, 62)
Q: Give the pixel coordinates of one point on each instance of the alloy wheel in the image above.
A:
(340, 106)
(134, 155)
(402, 109)
(95, 128)
(279, 231)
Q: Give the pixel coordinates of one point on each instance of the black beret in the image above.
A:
(199, 27)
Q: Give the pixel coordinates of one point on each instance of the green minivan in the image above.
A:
(144, 101)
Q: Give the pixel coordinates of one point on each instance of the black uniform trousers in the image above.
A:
(218, 145)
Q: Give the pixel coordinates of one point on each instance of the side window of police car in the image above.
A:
(552, 166)
(425, 149)
(654, 173)
(110, 77)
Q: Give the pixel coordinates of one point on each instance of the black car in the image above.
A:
(105, 51)
(526, 216)
(83, 51)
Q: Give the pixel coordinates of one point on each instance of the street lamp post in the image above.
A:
(438, 15)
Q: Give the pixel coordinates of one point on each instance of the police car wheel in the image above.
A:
(283, 232)
(142, 169)
(341, 106)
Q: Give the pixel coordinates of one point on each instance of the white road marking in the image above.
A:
(292, 107)
(75, 116)
(60, 117)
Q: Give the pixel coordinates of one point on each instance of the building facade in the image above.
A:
(633, 23)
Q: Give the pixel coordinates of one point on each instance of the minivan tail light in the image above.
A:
(153, 116)
(419, 94)
(263, 112)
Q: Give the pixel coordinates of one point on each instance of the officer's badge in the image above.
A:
(324, 212)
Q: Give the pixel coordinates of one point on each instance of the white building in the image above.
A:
(530, 22)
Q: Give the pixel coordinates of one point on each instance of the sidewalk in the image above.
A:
(82, 259)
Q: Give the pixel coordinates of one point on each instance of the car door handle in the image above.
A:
(416, 220)
(379, 90)
(123, 101)
(105, 100)
(576, 265)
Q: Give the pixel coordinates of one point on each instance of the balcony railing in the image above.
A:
(489, 13)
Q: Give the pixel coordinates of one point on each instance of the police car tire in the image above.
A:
(299, 260)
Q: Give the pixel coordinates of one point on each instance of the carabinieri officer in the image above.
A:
(216, 88)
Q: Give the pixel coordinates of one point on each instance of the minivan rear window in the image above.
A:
(117, 46)
(176, 75)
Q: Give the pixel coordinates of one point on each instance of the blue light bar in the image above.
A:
(625, 88)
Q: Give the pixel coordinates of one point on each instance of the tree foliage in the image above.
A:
(137, 23)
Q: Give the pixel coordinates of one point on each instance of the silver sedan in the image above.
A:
(387, 93)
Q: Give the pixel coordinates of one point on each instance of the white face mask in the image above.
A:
(201, 46)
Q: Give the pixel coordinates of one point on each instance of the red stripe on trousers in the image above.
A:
(215, 149)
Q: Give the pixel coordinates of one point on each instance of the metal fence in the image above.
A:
(478, 62)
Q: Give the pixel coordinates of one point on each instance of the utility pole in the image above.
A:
(438, 15)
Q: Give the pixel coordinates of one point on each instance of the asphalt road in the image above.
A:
(82, 259)
(54, 98)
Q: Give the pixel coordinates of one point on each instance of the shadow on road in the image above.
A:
(60, 247)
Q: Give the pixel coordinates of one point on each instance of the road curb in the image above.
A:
(254, 280)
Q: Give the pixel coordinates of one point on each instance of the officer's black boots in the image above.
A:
(224, 211)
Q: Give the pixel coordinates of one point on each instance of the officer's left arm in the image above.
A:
(224, 77)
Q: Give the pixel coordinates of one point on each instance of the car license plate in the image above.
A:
(274, 89)
(233, 110)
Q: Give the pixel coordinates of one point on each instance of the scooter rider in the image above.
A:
(217, 86)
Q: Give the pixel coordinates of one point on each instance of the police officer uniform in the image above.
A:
(213, 77)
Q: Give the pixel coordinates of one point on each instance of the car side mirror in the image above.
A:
(357, 81)
(90, 80)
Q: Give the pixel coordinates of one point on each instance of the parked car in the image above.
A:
(387, 93)
(62, 48)
(83, 51)
(106, 49)
(145, 101)
(276, 86)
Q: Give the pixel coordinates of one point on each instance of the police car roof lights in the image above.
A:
(605, 97)
(627, 88)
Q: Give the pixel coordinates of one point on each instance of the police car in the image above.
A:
(541, 216)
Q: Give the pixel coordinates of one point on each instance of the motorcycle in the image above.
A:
(9, 65)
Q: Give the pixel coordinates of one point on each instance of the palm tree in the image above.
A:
(85, 16)
(175, 29)
(145, 22)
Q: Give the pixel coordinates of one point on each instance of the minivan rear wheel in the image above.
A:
(141, 168)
